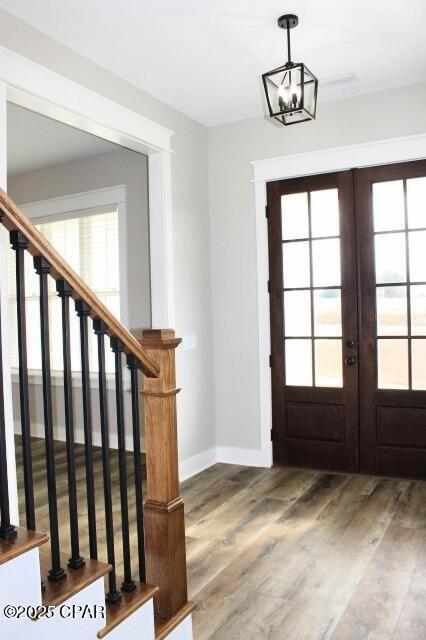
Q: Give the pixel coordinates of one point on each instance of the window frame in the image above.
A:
(78, 205)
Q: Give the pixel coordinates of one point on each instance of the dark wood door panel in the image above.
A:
(375, 420)
(392, 420)
(321, 422)
(315, 424)
(401, 426)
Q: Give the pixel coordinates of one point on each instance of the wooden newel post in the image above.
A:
(164, 509)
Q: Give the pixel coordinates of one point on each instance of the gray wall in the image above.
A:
(120, 166)
(190, 220)
(233, 239)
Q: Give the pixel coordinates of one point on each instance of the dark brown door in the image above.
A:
(314, 336)
(391, 228)
(348, 314)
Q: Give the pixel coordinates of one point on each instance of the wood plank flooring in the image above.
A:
(285, 554)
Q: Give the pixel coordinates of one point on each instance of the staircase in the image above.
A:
(47, 590)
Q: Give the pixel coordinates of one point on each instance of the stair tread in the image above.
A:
(129, 603)
(24, 541)
(55, 593)
(164, 626)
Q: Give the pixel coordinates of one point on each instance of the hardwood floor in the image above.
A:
(287, 554)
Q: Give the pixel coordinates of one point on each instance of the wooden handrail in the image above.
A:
(14, 219)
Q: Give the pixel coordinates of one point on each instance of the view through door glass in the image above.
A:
(336, 240)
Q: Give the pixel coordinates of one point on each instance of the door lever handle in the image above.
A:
(350, 360)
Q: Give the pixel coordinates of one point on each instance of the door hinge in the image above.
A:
(272, 435)
(266, 210)
(270, 361)
(269, 286)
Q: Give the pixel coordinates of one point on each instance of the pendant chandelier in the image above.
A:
(291, 90)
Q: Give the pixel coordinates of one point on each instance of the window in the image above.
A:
(89, 242)
(400, 237)
(312, 289)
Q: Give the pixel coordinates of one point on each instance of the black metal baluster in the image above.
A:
(113, 594)
(64, 292)
(133, 366)
(7, 530)
(83, 312)
(117, 347)
(20, 243)
(43, 268)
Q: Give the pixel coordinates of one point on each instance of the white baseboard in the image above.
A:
(190, 466)
(229, 455)
(187, 468)
(246, 457)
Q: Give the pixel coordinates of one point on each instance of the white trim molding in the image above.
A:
(189, 467)
(37, 88)
(354, 156)
(76, 202)
(379, 152)
(4, 337)
(161, 240)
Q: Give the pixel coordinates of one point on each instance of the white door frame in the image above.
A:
(291, 166)
(30, 85)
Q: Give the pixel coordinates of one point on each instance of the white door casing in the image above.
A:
(408, 148)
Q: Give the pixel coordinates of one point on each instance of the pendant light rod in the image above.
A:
(288, 46)
(288, 21)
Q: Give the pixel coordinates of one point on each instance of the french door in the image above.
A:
(347, 256)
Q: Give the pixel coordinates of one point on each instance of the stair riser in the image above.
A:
(77, 627)
(138, 626)
(19, 586)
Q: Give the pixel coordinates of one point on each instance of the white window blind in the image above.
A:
(90, 245)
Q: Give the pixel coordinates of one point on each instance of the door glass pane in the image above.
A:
(390, 258)
(417, 250)
(294, 209)
(416, 203)
(296, 265)
(326, 262)
(297, 313)
(418, 310)
(418, 359)
(391, 311)
(388, 206)
(327, 312)
(298, 362)
(392, 363)
(324, 213)
(328, 363)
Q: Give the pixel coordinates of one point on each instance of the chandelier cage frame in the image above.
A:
(291, 89)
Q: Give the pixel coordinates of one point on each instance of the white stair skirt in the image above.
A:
(20, 587)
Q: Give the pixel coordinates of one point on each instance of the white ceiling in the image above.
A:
(34, 142)
(205, 57)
